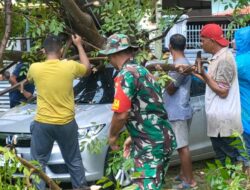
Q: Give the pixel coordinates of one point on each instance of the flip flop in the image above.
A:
(177, 178)
(185, 185)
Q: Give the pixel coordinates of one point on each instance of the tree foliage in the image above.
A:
(18, 24)
(238, 19)
(71, 16)
(124, 16)
(229, 176)
(68, 16)
(10, 165)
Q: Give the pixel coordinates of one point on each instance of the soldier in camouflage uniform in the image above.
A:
(138, 105)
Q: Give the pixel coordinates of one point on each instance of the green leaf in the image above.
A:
(211, 166)
(218, 163)
(106, 185)
(225, 174)
(236, 142)
(228, 161)
(42, 27)
(102, 180)
(39, 31)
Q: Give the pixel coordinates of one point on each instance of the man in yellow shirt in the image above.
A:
(54, 120)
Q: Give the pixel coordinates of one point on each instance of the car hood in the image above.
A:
(18, 119)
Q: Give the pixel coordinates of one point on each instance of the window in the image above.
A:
(194, 28)
(97, 88)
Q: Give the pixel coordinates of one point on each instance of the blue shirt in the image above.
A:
(177, 105)
(16, 97)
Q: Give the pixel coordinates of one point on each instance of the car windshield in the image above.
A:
(98, 88)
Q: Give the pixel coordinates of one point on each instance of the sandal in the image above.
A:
(185, 185)
(178, 178)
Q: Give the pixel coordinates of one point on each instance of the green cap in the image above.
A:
(117, 43)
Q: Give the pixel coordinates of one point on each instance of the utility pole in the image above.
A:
(27, 27)
(158, 43)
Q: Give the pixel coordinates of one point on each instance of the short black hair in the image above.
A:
(178, 42)
(6, 75)
(52, 44)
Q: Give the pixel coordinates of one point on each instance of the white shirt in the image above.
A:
(223, 114)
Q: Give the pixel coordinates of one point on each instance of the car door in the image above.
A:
(200, 145)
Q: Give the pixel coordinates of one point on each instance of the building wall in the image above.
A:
(219, 6)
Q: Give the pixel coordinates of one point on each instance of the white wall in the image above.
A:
(179, 28)
(14, 45)
(218, 6)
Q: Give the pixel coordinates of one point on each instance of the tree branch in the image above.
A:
(67, 46)
(33, 169)
(69, 31)
(8, 21)
(40, 173)
(82, 23)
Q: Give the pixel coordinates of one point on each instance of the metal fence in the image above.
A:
(193, 34)
(4, 99)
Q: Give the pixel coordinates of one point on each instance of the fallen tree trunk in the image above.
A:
(82, 23)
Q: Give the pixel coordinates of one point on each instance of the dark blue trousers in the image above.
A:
(42, 140)
(223, 149)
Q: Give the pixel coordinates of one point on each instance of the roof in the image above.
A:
(243, 11)
(24, 6)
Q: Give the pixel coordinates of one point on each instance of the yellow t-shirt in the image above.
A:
(54, 84)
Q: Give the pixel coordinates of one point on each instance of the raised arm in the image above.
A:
(77, 40)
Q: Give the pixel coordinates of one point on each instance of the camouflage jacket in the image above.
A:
(136, 91)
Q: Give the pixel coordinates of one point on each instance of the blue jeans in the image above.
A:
(42, 140)
(223, 149)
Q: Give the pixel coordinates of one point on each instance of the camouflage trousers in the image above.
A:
(149, 178)
(151, 158)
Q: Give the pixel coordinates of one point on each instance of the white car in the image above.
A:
(93, 97)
